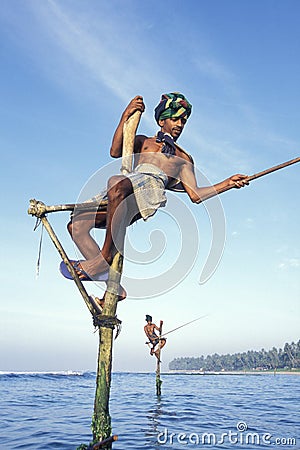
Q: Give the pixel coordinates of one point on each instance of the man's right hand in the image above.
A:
(136, 104)
(237, 181)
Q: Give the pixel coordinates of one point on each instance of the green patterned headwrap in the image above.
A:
(172, 105)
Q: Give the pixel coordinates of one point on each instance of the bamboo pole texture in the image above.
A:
(101, 423)
(129, 131)
(39, 209)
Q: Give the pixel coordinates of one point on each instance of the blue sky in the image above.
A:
(68, 69)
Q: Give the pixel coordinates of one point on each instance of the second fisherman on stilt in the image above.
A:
(154, 340)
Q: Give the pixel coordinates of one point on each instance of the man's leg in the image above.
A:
(121, 209)
(80, 227)
(161, 344)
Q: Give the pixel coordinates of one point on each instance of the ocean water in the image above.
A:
(42, 411)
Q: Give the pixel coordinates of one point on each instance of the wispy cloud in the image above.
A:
(287, 263)
(215, 69)
(111, 53)
(95, 55)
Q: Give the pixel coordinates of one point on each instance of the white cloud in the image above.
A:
(288, 263)
(104, 48)
(215, 69)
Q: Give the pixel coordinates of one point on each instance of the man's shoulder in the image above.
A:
(184, 154)
(141, 137)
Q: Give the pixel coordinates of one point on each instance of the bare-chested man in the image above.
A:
(159, 164)
(152, 336)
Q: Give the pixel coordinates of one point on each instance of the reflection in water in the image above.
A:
(153, 416)
(161, 411)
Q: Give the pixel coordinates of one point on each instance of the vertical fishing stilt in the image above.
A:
(157, 379)
(101, 423)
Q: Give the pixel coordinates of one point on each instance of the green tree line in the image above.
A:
(286, 358)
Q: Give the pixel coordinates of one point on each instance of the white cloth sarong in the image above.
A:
(148, 182)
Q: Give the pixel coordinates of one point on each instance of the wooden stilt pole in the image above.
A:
(158, 380)
(101, 423)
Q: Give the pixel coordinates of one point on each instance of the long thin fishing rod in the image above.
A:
(263, 173)
(273, 169)
(181, 326)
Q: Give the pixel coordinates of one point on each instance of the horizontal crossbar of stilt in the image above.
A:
(39, 209)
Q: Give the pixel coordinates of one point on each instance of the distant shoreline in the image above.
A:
(170, 372)
(233, 372)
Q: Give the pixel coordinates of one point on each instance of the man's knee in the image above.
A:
(70, 227)
(75, 228)
(119, 186)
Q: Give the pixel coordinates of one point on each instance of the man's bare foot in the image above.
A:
(81, 273)
(96, 304)
(100, 301)
(94, 267)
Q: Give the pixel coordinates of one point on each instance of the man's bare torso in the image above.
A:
(150, 331)
(147, 150)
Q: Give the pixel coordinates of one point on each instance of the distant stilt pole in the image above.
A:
(158, 380)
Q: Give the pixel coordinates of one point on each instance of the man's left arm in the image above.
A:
(156, 327)
(199, 194)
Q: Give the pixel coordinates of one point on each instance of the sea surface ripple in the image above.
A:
(41, 411)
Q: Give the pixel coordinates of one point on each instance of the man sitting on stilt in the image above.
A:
(160, 164)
